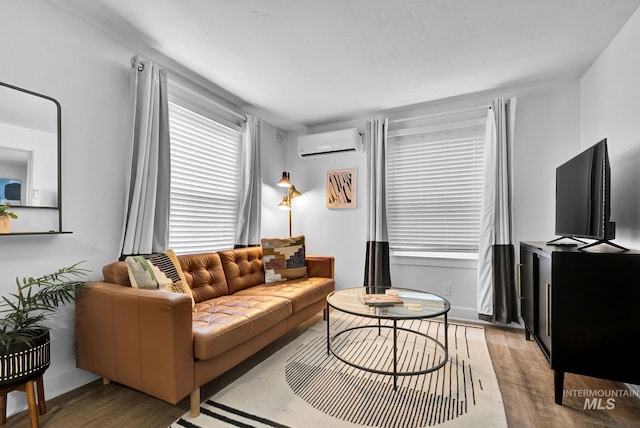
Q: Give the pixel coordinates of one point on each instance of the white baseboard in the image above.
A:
(462, 313)
(61, 383)
(471, 314)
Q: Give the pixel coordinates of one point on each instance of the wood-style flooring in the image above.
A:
(524, 376)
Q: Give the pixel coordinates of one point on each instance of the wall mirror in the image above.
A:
(30, 143)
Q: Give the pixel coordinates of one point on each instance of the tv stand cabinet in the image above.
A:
(581, 308)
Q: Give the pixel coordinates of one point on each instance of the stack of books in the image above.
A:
(380, 299)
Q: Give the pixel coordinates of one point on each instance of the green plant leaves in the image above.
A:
(35, 301)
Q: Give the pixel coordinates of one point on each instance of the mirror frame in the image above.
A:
(59, 162)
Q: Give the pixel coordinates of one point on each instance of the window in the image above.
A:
(205, 173)
(435, 181)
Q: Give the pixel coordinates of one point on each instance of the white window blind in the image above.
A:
(435, 181)
(204, 182)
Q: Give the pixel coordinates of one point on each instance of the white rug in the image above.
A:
(302, 386)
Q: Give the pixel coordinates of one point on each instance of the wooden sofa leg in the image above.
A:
(195, 403)
(105, 381)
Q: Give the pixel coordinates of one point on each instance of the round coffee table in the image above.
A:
(408, 305)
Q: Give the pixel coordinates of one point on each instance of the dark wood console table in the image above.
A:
(581, 307)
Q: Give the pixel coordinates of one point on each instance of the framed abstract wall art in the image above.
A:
(341, 188)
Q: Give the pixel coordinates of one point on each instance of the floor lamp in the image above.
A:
(292, 193)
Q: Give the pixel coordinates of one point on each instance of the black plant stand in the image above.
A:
(23, 366)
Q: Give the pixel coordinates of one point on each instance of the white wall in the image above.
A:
(611, 109)
(547, 132)
(337, 232)
(272, 153)
(47, 52)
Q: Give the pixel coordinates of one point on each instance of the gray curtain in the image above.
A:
(248, 233)
(377, 274)
(496, 277)
(146, 226)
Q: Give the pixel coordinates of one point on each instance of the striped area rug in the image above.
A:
(302, 386)
(217, 414)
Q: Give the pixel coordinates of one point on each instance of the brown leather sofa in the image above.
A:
(156, 342)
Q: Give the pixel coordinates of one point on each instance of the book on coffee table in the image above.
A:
(380, 299)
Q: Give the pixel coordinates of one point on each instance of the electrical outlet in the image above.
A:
(446, 289)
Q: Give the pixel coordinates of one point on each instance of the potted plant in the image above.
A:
(24, 337)
(5, 214)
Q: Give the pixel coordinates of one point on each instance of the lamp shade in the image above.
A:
(284, 181)
(293, 193)
(284, 204)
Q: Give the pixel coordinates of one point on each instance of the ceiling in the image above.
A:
(298, 63)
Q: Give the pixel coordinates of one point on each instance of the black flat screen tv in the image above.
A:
(583, 195)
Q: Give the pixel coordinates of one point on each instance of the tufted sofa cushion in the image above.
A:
(301, 292)
(243, 268)
(203, 273)
(225, 322)
(205, 276)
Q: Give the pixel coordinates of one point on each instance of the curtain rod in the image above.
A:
(170, 81)
(428, 116)
(208, 100)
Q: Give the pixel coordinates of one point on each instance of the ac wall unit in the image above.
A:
(324, 143)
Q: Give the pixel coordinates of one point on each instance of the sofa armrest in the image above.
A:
(139, 338)
(322, 266)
